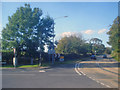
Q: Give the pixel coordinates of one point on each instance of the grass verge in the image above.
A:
(19, 66)
(45, 64)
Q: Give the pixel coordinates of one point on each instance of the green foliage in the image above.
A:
(27, 30)
(96, 45)
(114, 37)
(108, 50)
(72, 45)
(114, 34)
(96, 41)
(7, 56)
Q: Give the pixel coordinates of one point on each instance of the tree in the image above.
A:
(27, 31)
(96, 45)
(73, 44)
(108, 50)
(95, 41)
(114, 37)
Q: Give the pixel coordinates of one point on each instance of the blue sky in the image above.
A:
(91, 19)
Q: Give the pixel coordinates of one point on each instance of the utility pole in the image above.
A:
(40, 52)
(53, 48)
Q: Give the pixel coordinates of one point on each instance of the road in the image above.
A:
(79, 75)
(103, 71)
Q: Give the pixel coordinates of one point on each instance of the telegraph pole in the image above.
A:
(53, 48)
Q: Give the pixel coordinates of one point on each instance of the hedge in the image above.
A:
(7, 56)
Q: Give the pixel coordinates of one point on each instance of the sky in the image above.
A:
(91, 19)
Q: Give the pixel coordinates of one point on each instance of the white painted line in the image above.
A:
(93, 79)
(77, 70)
(89, 77)
(97, 81)
(42, 71)
(77, 65)
(107, 86)
(102, 83)
(82, 73)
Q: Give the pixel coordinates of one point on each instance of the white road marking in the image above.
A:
(82, 73)
(42, 71)
(77, 65)
(107, 86)
(97, 81)
(102, 83)
(89, 77)
(77, 70)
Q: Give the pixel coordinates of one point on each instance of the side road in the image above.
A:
(103, 71)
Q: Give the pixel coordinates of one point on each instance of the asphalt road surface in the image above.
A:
(102, 70)
(63, 76)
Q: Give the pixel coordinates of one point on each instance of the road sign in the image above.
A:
(61, 58)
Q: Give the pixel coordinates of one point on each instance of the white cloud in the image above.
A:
(67, 34)
(88, 32)
(101, 31)
(76, 33)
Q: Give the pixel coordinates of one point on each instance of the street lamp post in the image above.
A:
(40, 52)
(53, 48)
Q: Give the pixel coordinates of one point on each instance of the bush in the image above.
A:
(7, 56)
(44, 57)
(75, 56)
(23, 60)
(116, 55)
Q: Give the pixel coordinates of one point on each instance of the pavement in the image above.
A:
(62, 76)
